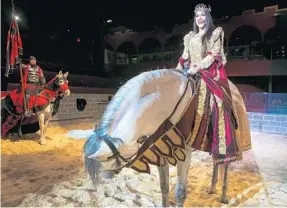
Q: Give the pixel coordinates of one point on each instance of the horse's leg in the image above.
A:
(48, 115)
(41, 118)
(182, 173)
(164, 183)
(214, 178)
(224, 198)
(46, 125)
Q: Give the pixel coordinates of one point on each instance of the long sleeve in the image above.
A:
(186, 41)
(185, 53)
(42, 78)
(215, 49)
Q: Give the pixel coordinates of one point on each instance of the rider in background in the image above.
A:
(33, 79)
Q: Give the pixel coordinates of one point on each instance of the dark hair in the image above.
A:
(209, 27)
(32, 58)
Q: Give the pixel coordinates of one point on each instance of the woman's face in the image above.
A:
(200, 19)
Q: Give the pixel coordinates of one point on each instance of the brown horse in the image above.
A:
(47, 104)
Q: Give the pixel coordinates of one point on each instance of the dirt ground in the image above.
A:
(28, 167)
(243, 183)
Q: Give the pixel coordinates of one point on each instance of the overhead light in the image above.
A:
(276, 14)
(109, 21)
(16, 17)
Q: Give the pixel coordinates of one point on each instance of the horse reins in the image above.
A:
(116, 155)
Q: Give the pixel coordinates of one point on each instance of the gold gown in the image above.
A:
(239, 131)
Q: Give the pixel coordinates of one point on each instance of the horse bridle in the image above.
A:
(116, 155)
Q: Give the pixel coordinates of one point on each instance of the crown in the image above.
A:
(202, 7)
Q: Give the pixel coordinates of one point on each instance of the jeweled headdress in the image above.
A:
(202, 7)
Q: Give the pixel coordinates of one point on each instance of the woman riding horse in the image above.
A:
(203, 49)
(144, 124)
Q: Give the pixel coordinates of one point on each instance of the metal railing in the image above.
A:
(266, 102)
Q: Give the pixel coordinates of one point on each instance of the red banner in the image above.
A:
(14, 49)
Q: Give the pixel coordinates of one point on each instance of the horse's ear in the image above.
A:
(66, 74)
(60, 73)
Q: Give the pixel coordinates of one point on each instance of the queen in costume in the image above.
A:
(220, 124)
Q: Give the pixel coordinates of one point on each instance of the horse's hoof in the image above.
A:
(180, 205)
(43, 142)
(211, 191)
(108, 175)
(224, 200)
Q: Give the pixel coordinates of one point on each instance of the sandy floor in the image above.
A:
(28, 167)
(243, 184)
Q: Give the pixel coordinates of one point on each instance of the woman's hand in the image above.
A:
(193, 70)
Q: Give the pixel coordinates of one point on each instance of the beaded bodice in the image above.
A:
(193, 45)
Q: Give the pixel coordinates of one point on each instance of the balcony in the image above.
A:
(239, 64)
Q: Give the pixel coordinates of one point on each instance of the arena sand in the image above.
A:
(28, 167)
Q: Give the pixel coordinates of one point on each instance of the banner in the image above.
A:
(14, 49)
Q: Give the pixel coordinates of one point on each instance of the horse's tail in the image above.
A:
(92, 166)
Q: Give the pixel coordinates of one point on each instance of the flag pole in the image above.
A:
(20, 60)
(8, 44)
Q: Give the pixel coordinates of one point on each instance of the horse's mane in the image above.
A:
(133, 84)
(94, 141)
(50, 83)
(56, 105)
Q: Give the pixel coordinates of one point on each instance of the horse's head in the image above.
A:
(62, 83)
(136, 112)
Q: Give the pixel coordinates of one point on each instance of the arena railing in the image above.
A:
(275, 103)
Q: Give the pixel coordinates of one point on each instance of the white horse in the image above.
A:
(48, 104)
(136, 111)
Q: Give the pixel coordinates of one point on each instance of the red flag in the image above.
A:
(14, 49)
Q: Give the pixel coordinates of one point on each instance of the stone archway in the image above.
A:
(271, 35)
(150, 45)
(174, 43)
(108, 47)
(245, 41)
(127, 48)
(274, 47)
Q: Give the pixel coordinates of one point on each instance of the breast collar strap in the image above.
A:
(116, 154)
